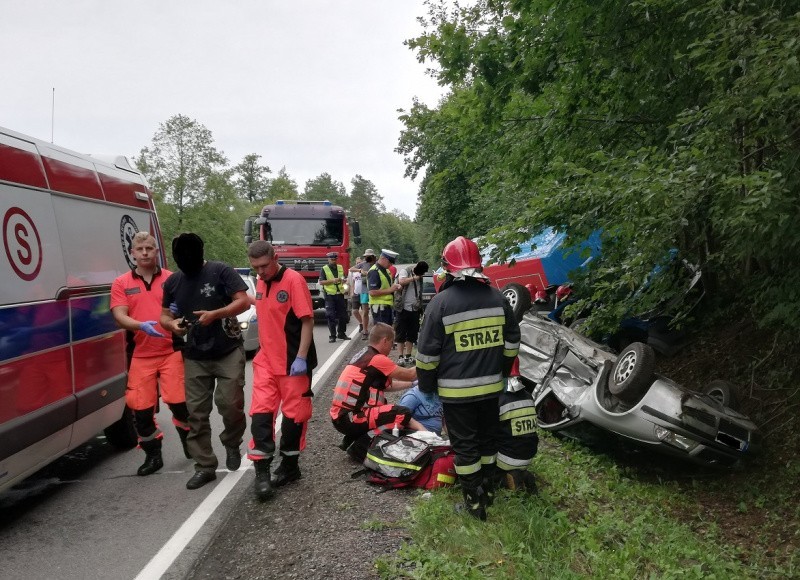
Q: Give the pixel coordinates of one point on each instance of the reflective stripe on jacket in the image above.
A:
(467, 344)
(357, 388)
(333, 288)
(518, 441)
(386, 283)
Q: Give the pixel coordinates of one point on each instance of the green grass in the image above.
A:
(592, 518)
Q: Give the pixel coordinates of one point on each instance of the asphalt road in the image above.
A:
(88, 515)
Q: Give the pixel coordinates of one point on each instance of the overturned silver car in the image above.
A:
(582, 390)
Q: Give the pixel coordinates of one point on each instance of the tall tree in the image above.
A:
(251, 178)
(282, 187)
(365, 201)
(323, 187)
(180, 162)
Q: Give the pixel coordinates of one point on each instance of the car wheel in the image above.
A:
(633, 372)
(122, 434)
(722, 391)
(519, 298)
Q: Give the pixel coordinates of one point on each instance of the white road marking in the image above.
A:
(170, 551)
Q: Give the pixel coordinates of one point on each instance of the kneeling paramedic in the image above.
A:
(281, 369)
(359, 402)
(468, 342)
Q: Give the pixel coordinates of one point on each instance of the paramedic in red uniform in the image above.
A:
(281, 369)
(359, 404)
(467, 345)
(156, 363)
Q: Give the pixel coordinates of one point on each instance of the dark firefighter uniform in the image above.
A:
(467, 345)
(335, 303)
(281, 303)
(359, 404)
(518, 442)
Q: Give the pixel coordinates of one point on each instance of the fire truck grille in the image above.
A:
(303, 264)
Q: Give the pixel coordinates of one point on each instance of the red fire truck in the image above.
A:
(67, 225)
(303, 232)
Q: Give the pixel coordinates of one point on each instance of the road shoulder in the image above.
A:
(326, 525)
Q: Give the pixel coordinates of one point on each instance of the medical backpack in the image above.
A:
(404, 461)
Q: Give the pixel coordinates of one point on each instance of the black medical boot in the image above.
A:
(474, 503)
(287, 472)
(347, 441)
(263, 485)
(184, 434)
(152, 460)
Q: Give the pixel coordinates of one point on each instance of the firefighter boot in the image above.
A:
(263, 485)
(521, 480)
(287, 472)
(184, 434)
(474, 503)
(489, 482)
(152, 459)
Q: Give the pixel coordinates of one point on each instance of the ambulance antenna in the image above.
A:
(53, 115)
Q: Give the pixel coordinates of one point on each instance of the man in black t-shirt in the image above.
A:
(201, 303)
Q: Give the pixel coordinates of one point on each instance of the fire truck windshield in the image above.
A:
(306, 232)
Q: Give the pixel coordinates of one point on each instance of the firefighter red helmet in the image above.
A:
(460, 254)
(563, 291)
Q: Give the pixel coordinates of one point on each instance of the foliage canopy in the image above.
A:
(665, 124)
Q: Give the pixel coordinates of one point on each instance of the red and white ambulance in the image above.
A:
(67, 224)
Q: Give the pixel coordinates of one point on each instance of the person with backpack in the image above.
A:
(359, 405)
(467, 344)
(408, 310)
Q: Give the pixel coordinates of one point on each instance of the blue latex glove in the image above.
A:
(299, 367)
(149, 328)
(173, 307)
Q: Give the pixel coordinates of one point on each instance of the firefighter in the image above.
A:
(518, 439)
(359, 405)
(155, 360)
(281, 369)
(381, 288)
(331, 278)
(467, 345)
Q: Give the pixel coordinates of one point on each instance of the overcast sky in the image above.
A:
(311, 85)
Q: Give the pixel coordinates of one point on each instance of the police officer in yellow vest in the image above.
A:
(381, 288)
(332, 278)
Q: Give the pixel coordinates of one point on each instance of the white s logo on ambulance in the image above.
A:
(22, 244)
